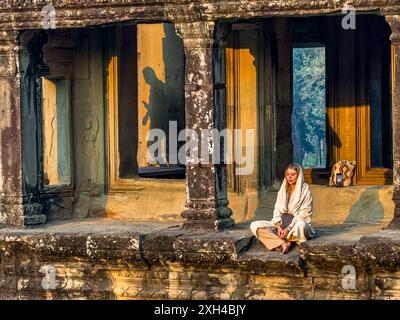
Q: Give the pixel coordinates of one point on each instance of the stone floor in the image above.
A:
(91, 225)
(326, 235)
(246, 246)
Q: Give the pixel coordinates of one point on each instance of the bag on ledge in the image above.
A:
(342, 173)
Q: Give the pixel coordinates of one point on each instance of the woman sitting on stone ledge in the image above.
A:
(291, 221)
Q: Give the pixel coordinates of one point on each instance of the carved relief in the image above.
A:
(91, 156)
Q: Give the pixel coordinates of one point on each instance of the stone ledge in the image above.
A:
(381, 249)
(260, 261)
(212, 246)
(149, 244)
(106, 259)
(363, 247)
(135, 242)
(96, 247)
(154, 243)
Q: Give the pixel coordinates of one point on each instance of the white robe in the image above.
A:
(299, 205)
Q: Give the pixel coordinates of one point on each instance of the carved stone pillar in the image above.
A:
(206, 188)
(17, 207)
(394, 22)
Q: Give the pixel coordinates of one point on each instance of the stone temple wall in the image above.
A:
(202, 28)
(91, 199)
(142, 261)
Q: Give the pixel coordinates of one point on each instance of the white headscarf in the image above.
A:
(294, 202)
(300, 203)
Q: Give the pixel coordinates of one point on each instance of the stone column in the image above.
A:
(206, 187)
(394, 22)
(284, 94)
(16, 207)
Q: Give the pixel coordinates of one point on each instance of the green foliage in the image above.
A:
(309, 105)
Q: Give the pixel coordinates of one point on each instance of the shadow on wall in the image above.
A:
(368, 208)
(166, 99)
(165, 102)
(157, 108)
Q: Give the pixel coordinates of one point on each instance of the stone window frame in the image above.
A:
(61, 189)
(365, 174)
(266, 110)
(115, 184)
(316, 39)
(43, 70)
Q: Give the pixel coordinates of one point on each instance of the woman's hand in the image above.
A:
(285, 232)
(280, 231)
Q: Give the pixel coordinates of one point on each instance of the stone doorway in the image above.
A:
(260, 78)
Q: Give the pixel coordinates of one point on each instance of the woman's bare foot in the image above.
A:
(286, 247)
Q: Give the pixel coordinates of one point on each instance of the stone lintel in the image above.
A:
(28, 14)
